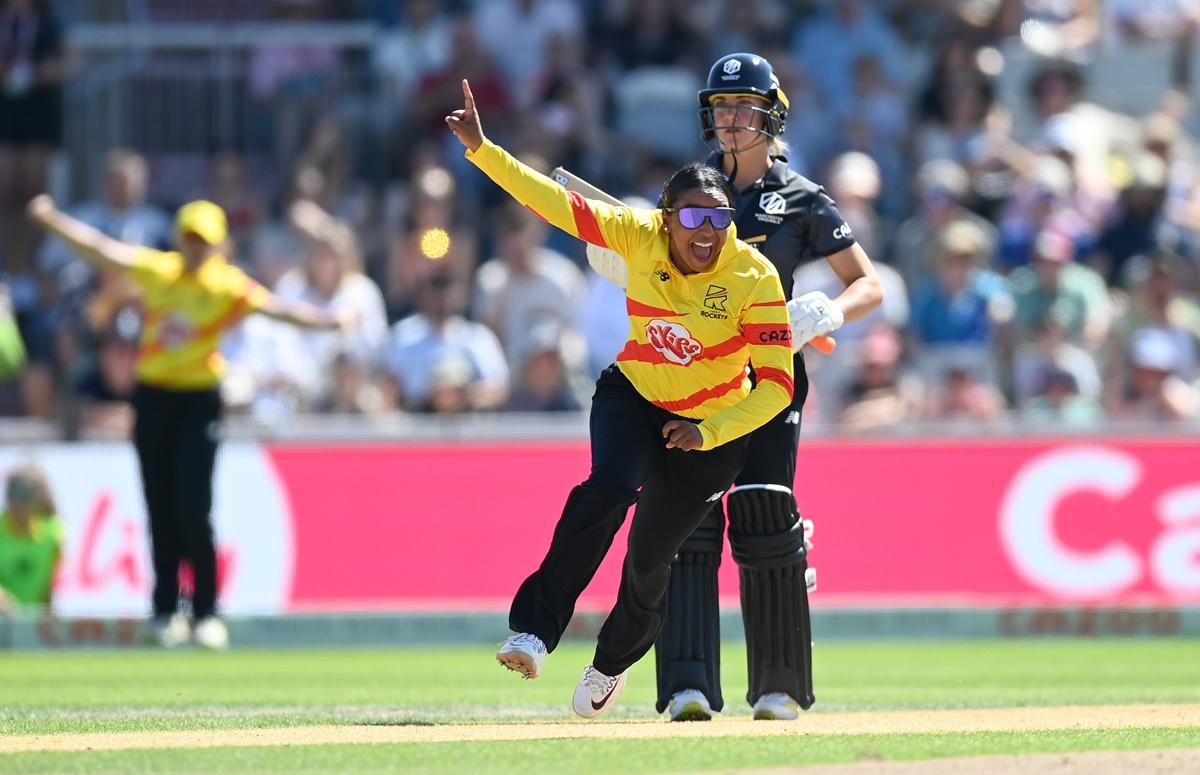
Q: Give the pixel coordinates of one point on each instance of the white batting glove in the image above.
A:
(609, 264)
(812, 314)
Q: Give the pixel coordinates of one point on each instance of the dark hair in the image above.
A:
(696, 175)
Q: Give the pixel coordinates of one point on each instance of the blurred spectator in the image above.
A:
(31, 538)
(526, 284)
(542, 381)
(964, 303)
(832, 41)
(942, 187)
(439, 91)
(963, 398)
(1059, 404)
(32, 70)
(605, 322)
(1049, 352)
(1055, 285)
(1051, 28)
(292, 81)
(270, 374)
(854, 183)
(1139, 207)
(229, 186)
(121, 212)
(879, 396)
(1041, 199)
(516, 34)
(1156, 300)
(953, 104)
(647, 35)
(418, 45)
(437, 360)
(103, 388)
(1154, 391)
(354, 389)
(332, 280)
(430, 237)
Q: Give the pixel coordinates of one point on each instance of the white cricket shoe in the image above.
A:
(171, 631)
(522, 653)
(776, 706)
(690, 705)
(596, 692)
(210, 633)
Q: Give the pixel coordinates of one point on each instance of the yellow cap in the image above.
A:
(204, 219)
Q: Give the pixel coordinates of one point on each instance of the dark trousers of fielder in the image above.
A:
(175, 436)
(767, 539)
(678, 488)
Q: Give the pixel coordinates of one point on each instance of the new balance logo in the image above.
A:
(716, 496)
(793, 418)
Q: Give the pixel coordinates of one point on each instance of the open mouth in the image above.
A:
(702, 251)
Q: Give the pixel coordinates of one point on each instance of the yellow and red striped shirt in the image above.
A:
(185, 315)
(691, 337)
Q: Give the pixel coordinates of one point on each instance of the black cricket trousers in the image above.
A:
(175, 435)
(677, 490)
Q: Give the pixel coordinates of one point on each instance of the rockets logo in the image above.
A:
(674, 341)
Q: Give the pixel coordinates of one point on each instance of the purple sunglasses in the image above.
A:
(694, 217)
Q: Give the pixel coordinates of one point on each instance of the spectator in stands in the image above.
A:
(953, 104)
(1157, 301)
(121, 212)
(942, 187)
(1050, 351)
(332, 280)
(965, 304)
(880, 396)
(31, 538)
(526, 284)
(854, 183)
(32, 70)
(517, 33)
(354, 389)
(1054, 284)
(430, 237)
(1059, 404)
(1139, 208)
(830, 44)
(405, 53)
(542, 380)
(1154, 391)
(103, 387)
(229, 186)
(964, 397)
(436, 358)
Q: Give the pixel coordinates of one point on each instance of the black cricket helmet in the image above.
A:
(743, 74)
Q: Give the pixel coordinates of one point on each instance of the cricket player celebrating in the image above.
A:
(670, 416)
(790, 220)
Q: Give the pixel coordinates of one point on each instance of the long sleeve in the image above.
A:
(764, 326)
(623, 229)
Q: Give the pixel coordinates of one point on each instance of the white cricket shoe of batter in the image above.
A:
(689, 705)
(172, 631)
(776, 706)
(597, 692)
(522, 653)
(210, 633)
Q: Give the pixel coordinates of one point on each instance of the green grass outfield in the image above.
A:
(59, 693)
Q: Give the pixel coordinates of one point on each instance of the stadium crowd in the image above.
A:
(1022, 173)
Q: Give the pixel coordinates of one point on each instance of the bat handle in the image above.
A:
(823, 344)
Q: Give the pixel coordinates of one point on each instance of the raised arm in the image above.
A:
(93, 245)
(305, 315)
(620, 228)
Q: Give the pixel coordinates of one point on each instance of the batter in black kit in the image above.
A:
(791, 220)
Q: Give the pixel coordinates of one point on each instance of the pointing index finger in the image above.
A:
(468, 98)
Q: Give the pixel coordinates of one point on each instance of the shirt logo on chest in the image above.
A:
(674, 341)
(772, 203)
(715, 299)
